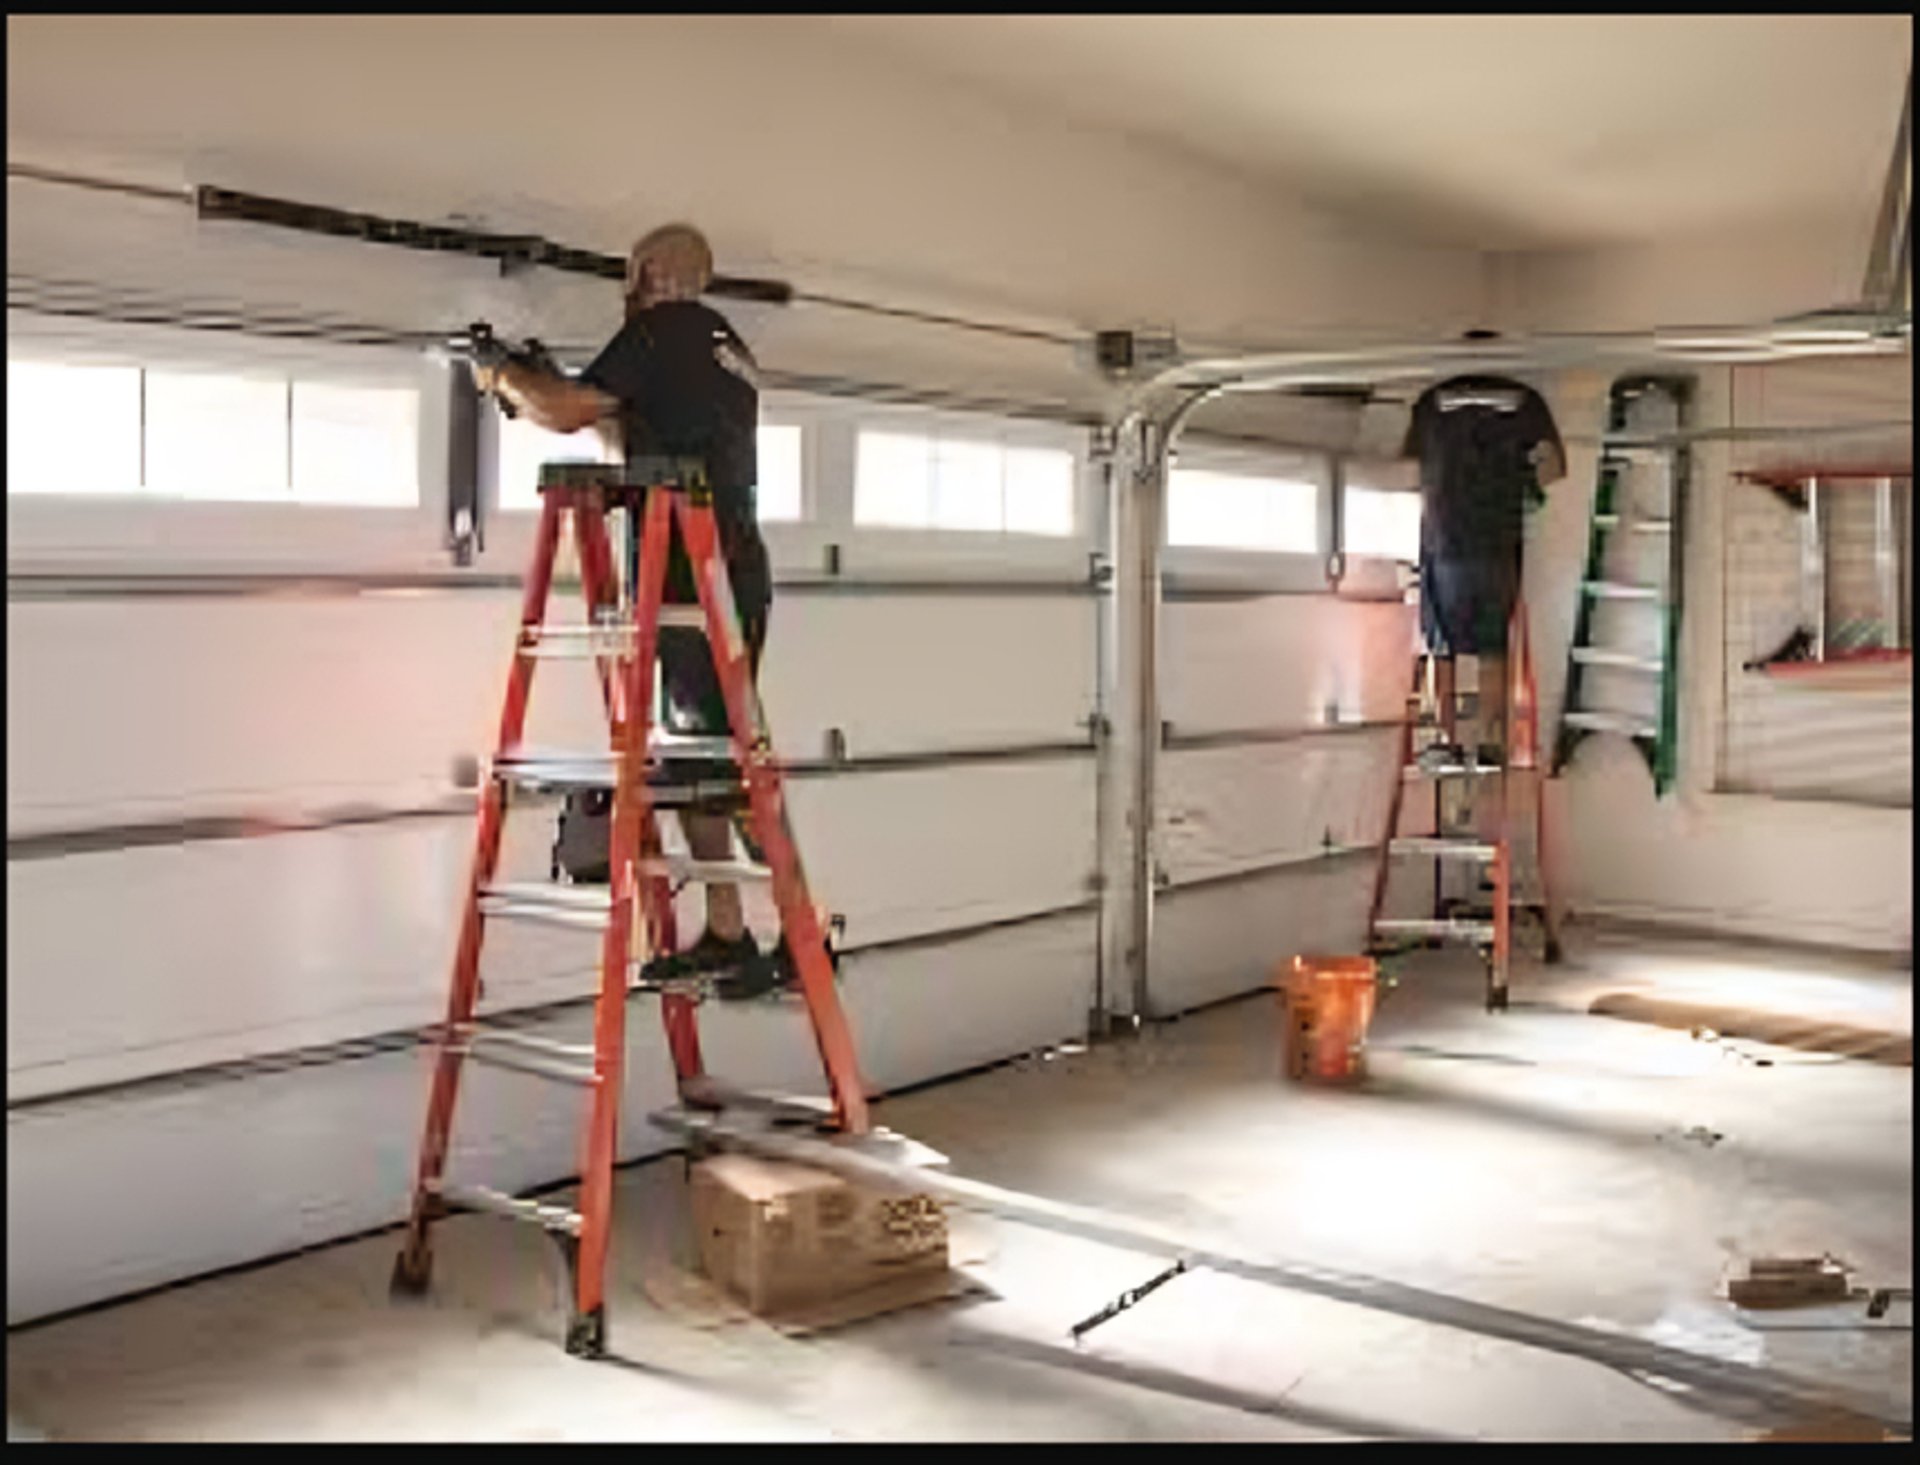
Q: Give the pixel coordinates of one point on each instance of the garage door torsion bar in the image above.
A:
(512, 250)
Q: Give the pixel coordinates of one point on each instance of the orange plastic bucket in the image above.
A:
(1327, 1004)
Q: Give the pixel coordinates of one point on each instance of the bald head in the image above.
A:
(674, 262)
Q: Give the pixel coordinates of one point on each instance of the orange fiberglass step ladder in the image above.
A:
(635, 912)
(1432, 707)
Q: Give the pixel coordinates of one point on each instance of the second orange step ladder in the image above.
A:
(1491, 932)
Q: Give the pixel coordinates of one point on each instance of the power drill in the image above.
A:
(481, 346)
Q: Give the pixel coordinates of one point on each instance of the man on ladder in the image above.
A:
(676, 381)
(1486, 447)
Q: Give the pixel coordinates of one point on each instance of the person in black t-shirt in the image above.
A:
(678, 381)
(1486, 445)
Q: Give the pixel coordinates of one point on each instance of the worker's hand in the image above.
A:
(486, 380)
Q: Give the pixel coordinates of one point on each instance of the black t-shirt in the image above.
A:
(1479, 442)
(685, 385)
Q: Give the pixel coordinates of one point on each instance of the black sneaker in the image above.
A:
(753, 973)
(710, 955)
(787, 970)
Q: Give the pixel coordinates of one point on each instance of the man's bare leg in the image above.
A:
(710, 837)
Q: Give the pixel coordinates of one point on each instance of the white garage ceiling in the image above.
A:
(1496, 131)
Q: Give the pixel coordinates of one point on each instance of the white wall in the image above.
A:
(1824, 872)
(814, 161)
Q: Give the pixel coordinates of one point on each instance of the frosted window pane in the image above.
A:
(216, 437)
(523, 447)
(1383, 523)
(356, 445)
(1039, 491)
(893, 481)
(1202, 509)
(1293, 510)
(967, 485)
(1241, 511)
(72, 429)
(778, 495)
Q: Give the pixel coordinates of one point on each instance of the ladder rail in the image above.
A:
(630, 691)
(766, 803)
(1395, 801)
(464, 989)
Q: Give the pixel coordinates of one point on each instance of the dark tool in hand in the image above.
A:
(483, 348)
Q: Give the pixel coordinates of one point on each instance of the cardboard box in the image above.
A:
(778, 1236)
(1789, 1282)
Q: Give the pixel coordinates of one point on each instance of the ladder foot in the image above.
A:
(412, 1271)
(1553, 952)
(587, 1334)
(1496, 999)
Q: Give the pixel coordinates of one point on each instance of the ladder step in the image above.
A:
(1624, 661)
(1444, 849)
(1417, 771)
(675, 745)
(539, 892)
(1474, 931)
(533, 1066)
(713, 872)
(563, 771)
(663, 745)
(1620, 590)
(534, 769)
(601, 638)
(474, 1034)
(1613, 722)
(546, 912)
(480, 1198)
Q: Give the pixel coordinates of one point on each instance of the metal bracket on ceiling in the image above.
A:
(1122, 355)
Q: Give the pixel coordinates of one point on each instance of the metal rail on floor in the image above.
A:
(875, 1159)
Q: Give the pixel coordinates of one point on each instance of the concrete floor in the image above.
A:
(1539, 1159)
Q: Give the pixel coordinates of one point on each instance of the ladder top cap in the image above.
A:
(639, 474)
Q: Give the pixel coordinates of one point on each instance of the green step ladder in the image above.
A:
(1632, 440)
